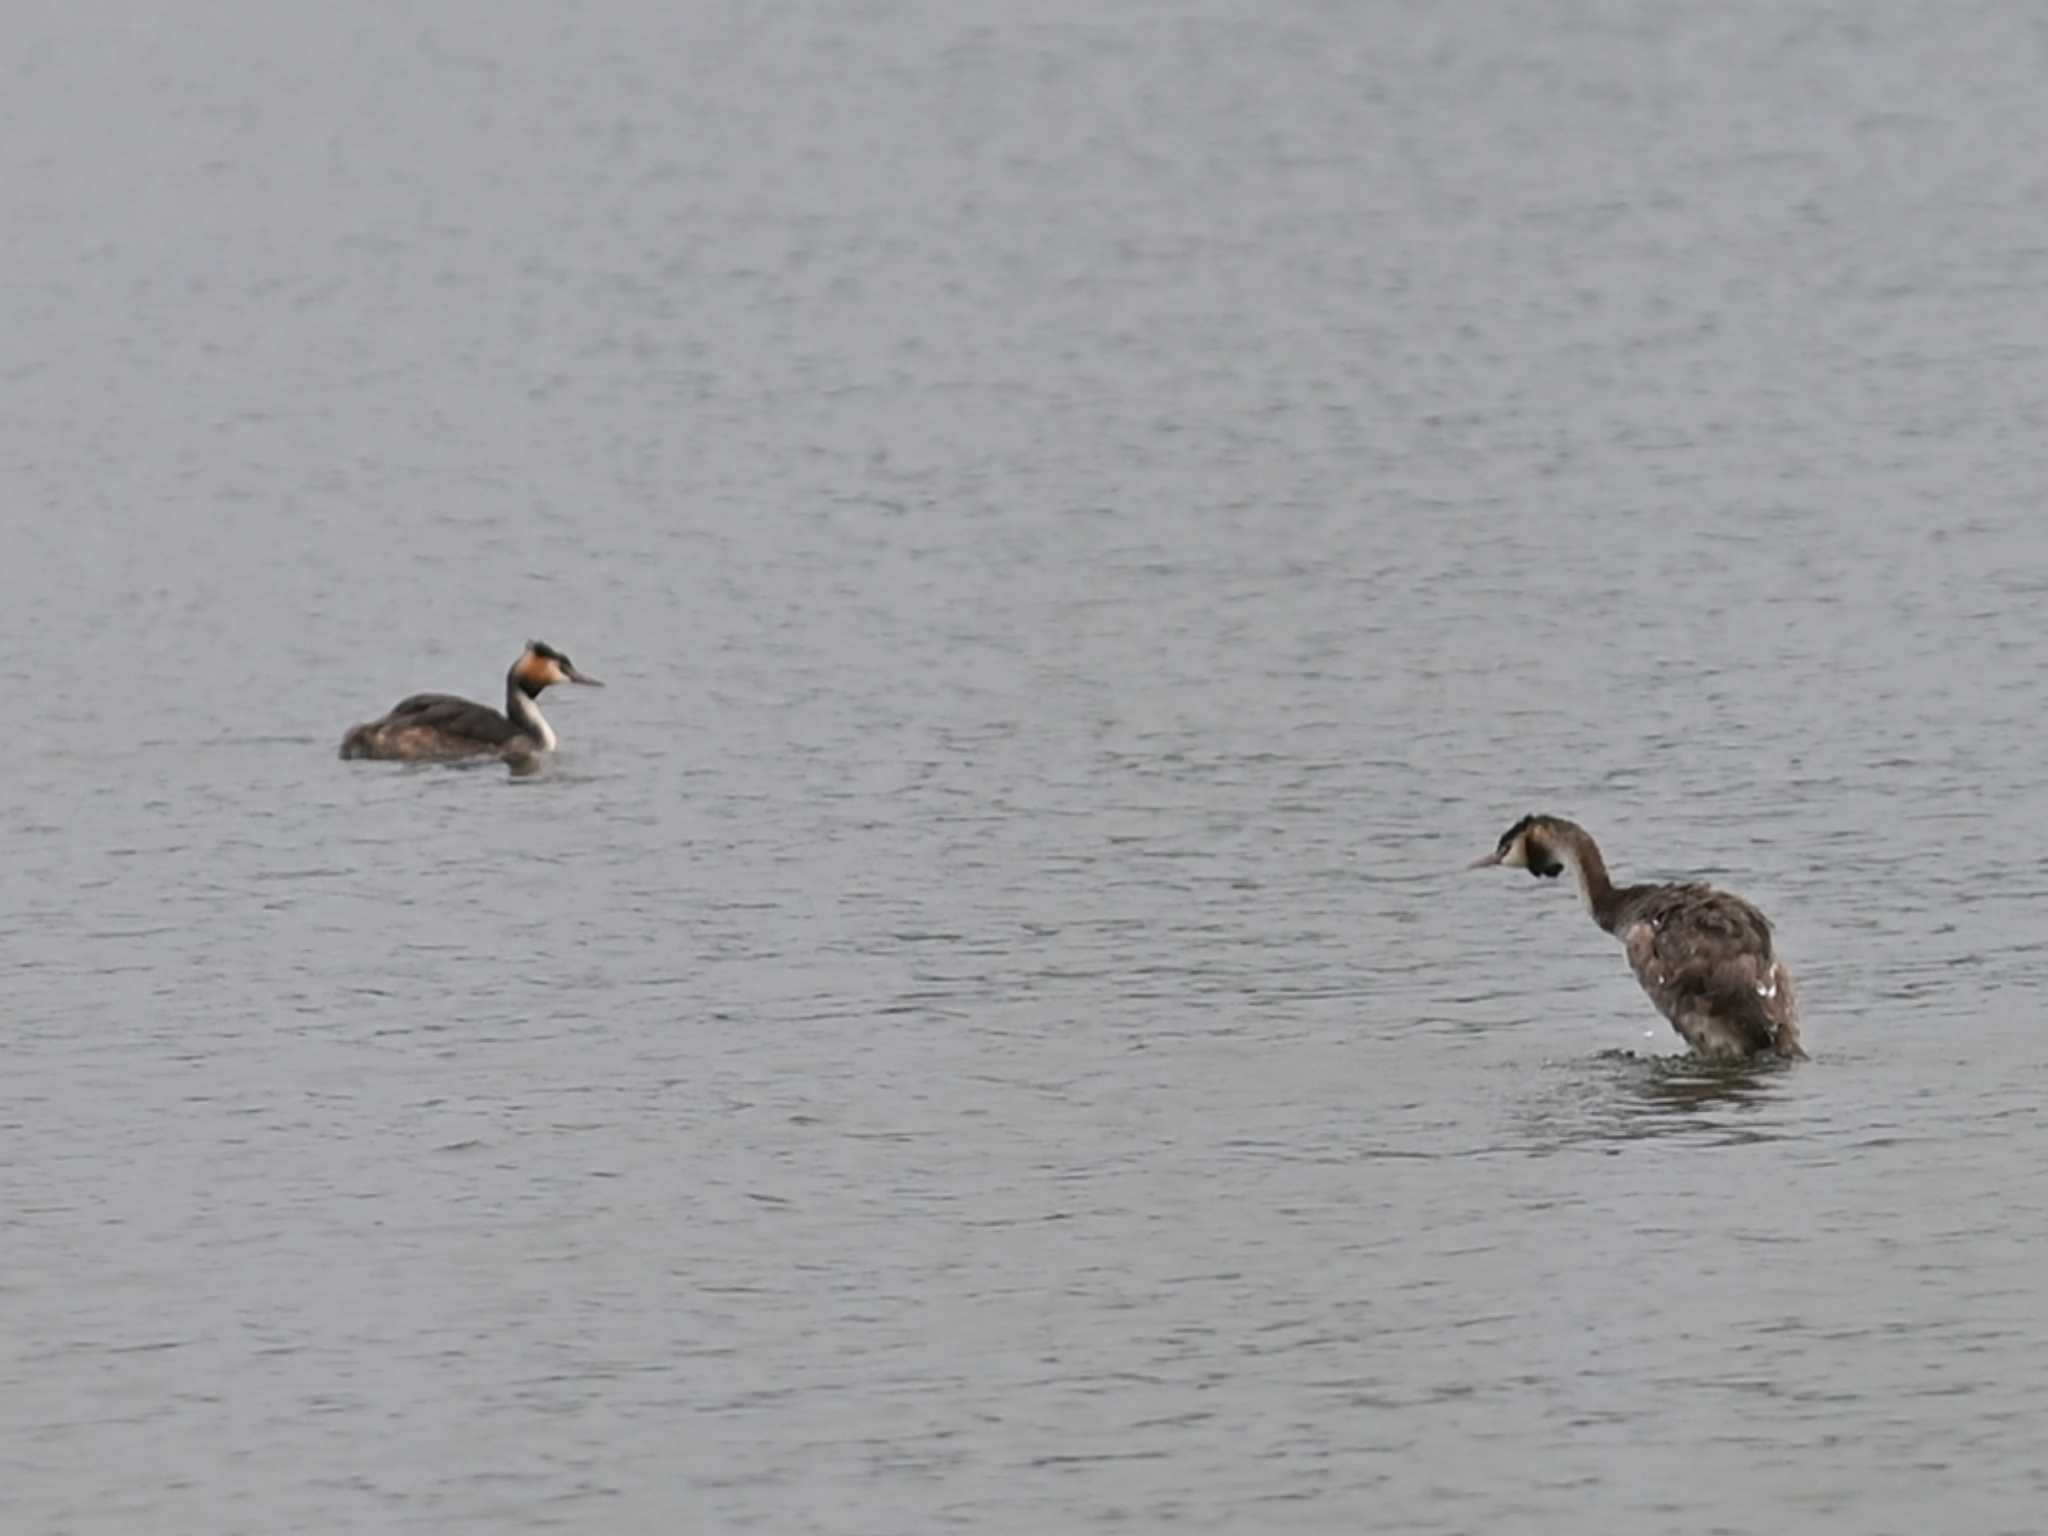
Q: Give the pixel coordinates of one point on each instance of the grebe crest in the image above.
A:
(1533, 843)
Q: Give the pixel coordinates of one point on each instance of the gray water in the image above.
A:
(1089, 515)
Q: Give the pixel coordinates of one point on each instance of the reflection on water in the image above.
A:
(1618, 1097)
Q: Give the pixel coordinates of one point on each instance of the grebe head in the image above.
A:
(1533, 843)
(541, 666)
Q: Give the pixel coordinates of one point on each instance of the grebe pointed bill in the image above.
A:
(438, 727)
(1705, 957)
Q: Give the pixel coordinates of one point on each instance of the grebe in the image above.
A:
(1704, 956)
(438, 726)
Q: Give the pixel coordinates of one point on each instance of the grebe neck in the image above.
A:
(1577, 848)
(523, 711)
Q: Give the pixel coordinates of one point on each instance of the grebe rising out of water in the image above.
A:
(438, 726)
(1704, 956)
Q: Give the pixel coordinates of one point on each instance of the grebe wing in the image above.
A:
(1706, 960)
(458, 717)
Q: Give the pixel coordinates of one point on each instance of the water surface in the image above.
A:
(1089, 516)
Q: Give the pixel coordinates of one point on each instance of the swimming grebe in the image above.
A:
(438, 726)
(1704, 956)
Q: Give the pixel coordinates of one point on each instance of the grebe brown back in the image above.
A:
(1704, 957)
(438, 727)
